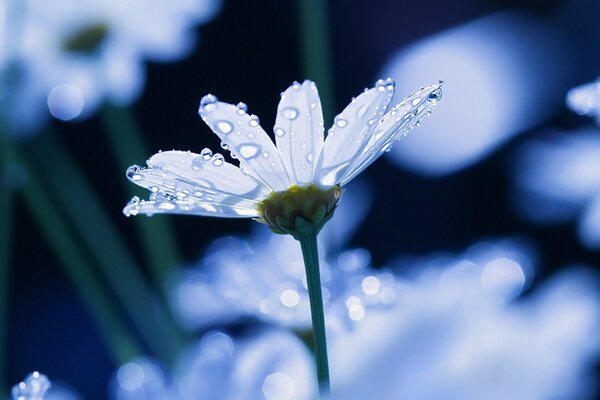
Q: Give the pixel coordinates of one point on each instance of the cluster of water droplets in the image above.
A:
(248, 150)
(34, 387)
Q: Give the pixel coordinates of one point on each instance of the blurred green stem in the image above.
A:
(62, 241)
(316, 51)
(310, 254)
(6, 212)
(157, 234)
(94, 224)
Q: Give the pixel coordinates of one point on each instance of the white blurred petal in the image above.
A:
(161, 204)
(497, 71)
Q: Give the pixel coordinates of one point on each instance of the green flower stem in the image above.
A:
(157, 234)
(313, 278)
(6, 223)
(118, 266)
(316, 50)
(120, 344)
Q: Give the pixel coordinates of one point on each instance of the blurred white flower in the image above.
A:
(33, 387)
(456, 334)
(458, 330)
(557, 179)
(497, 70)
(205, 184)
(585, 100)
(37, 386)
(69, 56)
(269, 364)
(263, 277)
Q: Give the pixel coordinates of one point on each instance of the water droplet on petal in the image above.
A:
(167, 205)
(254, 121)
(133, 173)
(249, 150)
(279, 132)
(218, 159)
(340, 122)
(242, 108)
(266, 154)
(208, 103)
(224, 146)
(310, 157)
(290, 113)
(436, 95)
(225, 127)
(198, 163)
(206, 153)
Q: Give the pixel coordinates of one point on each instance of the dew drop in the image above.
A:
(224, 146)
(290, 113)
(310, 158)
(254, 121)
(217, 159)
(242, 108)
(198, 163)
(206, 153)
(167, 205)
(279, 132)
(133, 173)
(436, 95)
(341, 123)
(266, 154)
(208, 103)
(225, 127)
(249, 150)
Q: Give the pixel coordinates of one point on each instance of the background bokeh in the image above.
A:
(250, 52)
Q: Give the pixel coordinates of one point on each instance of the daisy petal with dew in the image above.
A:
(302, 166)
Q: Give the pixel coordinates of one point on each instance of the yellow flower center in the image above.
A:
(299, 211)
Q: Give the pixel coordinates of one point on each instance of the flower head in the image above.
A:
(68, 57)
(300, 161)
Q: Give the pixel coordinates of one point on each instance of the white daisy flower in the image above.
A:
(67, 57)
(293, 183)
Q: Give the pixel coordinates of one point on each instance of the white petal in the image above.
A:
(246, 140)
(299, 130)
(161, 204)
(394, 125)
(350, 132)
(198, 177)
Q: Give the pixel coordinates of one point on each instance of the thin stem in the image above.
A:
(6, 211)
(157, 234)
(118, 266)
(316, 50)
(313, 278)
(121, 345)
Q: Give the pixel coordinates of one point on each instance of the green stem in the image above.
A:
(316, 50)
(93, 223)
(157, 234)
(313, 278)
(6, 211)
(74, 262)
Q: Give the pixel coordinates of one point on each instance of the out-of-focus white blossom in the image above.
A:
(37, 386)
(585, 100)
(558, 179)
(456, 334)
(69, 56)
(269, 364)
(497, 70)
